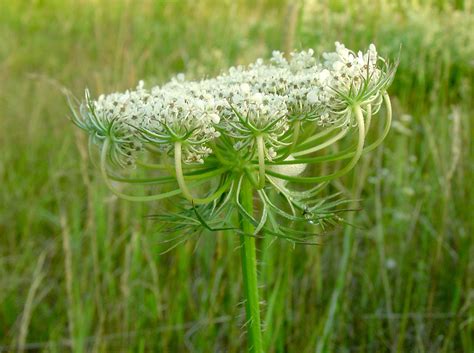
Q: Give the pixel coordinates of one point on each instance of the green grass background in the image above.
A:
(82, 271)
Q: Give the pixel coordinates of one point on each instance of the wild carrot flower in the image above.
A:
(264, 122)
(245, 138)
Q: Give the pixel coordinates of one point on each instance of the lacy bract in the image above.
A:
(265, 122)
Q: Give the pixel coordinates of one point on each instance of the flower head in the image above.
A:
(265, 122)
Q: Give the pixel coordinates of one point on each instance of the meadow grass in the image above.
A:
(83, 271)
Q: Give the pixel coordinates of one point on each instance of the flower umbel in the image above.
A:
(265, 124)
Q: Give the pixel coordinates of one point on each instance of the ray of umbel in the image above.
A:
(240, 150)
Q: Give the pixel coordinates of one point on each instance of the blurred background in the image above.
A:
(82, 271)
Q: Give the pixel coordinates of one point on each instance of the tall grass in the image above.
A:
(83, 271)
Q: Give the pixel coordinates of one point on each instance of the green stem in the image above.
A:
(166, 166)
(184, 187)
(347, 153)
(309, 141)
(368, 118)
(249, 271)
(296, 134)
(103, 169)
(357, 154)
(323, 145)
(261, 161)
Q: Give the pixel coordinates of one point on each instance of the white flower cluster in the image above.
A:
(264, 97)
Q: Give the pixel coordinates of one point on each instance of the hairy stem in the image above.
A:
(261, 162)
(249, 271)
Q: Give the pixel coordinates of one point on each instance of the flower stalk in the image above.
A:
(249, 270)
(261, 162)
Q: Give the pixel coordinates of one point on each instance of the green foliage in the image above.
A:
(81, 270)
